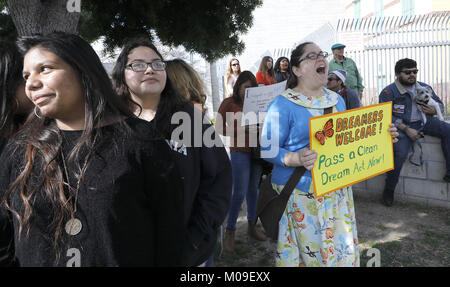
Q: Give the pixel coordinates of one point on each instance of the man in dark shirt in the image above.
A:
(335, 83)
(411, 123)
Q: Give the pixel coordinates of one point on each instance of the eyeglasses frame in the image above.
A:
(317, 55)
(130, 65)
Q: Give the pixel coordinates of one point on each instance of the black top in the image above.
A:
(3, 142)
(206, 169)
(6, 230)
(129, 204)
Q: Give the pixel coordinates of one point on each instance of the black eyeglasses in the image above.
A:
(332, 79)
(408, 72)
(314, 56)
(236, 64)
(157, 65)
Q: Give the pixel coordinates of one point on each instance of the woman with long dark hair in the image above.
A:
(282, 69)
(84, 181)
(14, 107)
(312, 231)
(14, 104)
(140, 79)
(246, 171)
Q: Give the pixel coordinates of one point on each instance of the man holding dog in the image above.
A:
(412, 119)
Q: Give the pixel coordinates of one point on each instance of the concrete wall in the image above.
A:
(423, 185)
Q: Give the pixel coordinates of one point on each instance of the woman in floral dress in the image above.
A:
(312, 231)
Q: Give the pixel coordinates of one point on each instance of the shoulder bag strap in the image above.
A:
(298, 173)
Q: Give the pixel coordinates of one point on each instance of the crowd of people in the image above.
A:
(94, 172)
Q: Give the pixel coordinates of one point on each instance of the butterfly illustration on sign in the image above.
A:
(326, 132)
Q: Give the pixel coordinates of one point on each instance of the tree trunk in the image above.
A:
(215, 94)
(42, 16)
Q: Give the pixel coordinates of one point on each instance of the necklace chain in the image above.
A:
(68, 183)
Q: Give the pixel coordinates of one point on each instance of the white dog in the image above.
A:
(424, 97)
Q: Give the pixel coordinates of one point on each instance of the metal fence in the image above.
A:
(384, 41)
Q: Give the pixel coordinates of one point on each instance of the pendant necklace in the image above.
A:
(73, 226)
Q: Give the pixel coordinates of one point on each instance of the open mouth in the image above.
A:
(320, 70)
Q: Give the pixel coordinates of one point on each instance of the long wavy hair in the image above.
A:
(186, 81)
(171, 101)
(11, 63)
(243, 77)
(40, 174)
(230, 68)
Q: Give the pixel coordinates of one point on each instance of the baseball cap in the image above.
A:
(337, 45)
(341, 74)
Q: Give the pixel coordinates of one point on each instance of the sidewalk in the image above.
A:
(406, 234)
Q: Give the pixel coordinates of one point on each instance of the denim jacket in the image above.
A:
(402, 100)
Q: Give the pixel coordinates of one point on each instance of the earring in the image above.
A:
(40, 117)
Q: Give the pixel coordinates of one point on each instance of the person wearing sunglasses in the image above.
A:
(340, 62)
(233, 72)
(336, 80)
(410, 121)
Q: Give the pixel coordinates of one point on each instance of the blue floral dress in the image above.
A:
(317, 231)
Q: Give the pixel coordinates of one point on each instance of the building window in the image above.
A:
(357, 9)
(408, 7)
(379, 8)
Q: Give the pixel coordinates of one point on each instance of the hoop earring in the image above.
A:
(40, 117)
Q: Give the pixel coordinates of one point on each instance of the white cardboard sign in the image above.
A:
(257, 100)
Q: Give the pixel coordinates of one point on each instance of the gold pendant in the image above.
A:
(73, 227)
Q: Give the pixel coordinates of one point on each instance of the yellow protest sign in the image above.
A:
(351, 146)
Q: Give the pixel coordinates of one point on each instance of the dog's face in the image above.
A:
(423, 95)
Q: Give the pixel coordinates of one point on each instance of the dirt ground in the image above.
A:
(406, 234)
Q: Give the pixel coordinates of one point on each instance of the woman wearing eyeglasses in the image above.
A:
(312, 231)
(233, 72)
(140, 78)
(265, 75)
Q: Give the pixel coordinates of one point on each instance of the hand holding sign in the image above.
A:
(307, 158)
(393, 130)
